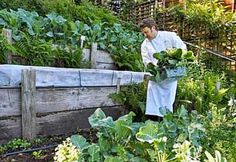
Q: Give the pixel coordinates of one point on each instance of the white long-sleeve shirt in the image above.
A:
(160, 95)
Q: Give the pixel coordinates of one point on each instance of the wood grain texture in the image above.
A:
(57, 99)
(7, 33)
(49, 76)
(10, 128)
(55, 123)
(54, 100)
(93, 55)
(70, 122)
(28, 106)
(10, 102)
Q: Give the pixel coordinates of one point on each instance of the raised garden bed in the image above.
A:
(46, 101)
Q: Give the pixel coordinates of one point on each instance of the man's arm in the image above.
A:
(177, 42)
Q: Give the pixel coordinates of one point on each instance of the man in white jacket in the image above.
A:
(159, 95)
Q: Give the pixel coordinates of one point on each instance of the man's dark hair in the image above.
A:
(147, 23)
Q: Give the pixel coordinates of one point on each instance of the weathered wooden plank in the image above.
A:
(54, 124)
(86, 54)
(7, 33)
(57, 99)
(57, 77)
(49, 76)
(4, 79)
(10, 128)
(13, 72)
(54, 100)
(10, 102)
(96, 77)
(93, 55)
(101, 65)
(137, 77)
(28, 109)
(69, 122)
(104, 57)
(125, 77)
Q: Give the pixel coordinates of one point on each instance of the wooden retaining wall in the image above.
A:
(42, 101)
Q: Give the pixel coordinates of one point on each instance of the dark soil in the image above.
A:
(45, 149)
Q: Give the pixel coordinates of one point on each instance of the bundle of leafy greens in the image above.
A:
(171, 64)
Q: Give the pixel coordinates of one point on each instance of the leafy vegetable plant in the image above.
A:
(171, 63)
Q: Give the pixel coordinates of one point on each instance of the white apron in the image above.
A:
(160, 95)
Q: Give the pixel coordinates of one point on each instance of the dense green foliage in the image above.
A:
(84, 11)
(210, 93)
(210, 15)
(134, 98)
(179, 137)
(53, 35)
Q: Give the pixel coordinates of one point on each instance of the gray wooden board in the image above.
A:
(86, 54)
(68, 122)
(49, 76)
(10, 128)
(53, 100)
(4, 79)
(96, 77)
(102, 65)
(102, 56)
(57, 99)
(55, 123)
(58, 77)
(10, 102)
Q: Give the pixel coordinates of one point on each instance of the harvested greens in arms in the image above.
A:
(171, 64)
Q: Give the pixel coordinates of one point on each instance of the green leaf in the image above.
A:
(94, 152)
(113, 159)
(123, 126)
(149, 133)
(182, 137)
(158, 56)
(209, 157)
(175, 53)
(105, 145)
(79, 141)
(2, 22)
(172, 62)
(137, 159)
(188, 55)
(98, 119)
(182, 112)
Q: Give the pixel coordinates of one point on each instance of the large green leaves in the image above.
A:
(99, 119)
(80, 142)
(123, 127)
(94, 152)
(149, 133)
(171, 64)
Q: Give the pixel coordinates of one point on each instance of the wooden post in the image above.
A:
(93, 55)
(119, 76)
(28, 92)
(7, 33)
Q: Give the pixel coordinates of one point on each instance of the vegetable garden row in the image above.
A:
(51, 33)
